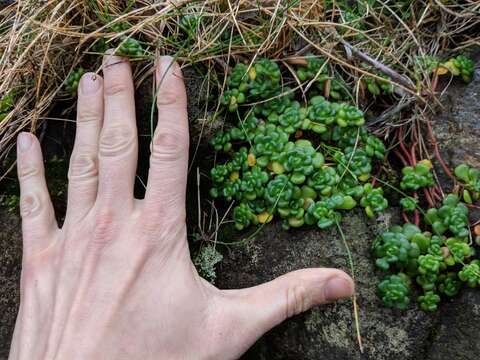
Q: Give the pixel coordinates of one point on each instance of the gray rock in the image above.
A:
(328, 332)
(457, 128)
(10, 267)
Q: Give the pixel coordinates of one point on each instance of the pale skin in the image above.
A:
(116, 281)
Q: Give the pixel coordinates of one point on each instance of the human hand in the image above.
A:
(116, 281)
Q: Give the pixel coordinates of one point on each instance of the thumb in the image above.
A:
(258, 309)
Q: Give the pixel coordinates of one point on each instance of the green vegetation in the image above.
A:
(72, 81)
(461, 66)
(307, 163)
(6, 104)
(440, 260)
(418, 176)
(470, 178)
(274, 170)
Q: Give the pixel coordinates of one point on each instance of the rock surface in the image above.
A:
(10, 266)
(327, 332)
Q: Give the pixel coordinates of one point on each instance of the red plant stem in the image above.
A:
(437, 151)
(413, 156)
(415, 142)
(400, 156)
(405, 217)
(416, 216)
(475, 223)
(436, 193)
(402, 146)
(473, 206)
(428, 196)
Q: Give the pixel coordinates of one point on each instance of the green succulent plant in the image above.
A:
(7, 104)
(72, 81)
(429, 301)
(470, 178)
(323, 214)
(393, 248)
(315, 67)
(394, 290)
(243, 216)
(324, 180)
(451, 216)
(416, 177)
(354, 161)
(373, 200)
(408, 203)
(377, 87)
(461, 66)
(449, 284)
(470, 274)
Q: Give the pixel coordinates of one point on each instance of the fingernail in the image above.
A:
(24, 141)
(337, 288)
(89, 83)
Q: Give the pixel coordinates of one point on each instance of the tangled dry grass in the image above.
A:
(42, 42)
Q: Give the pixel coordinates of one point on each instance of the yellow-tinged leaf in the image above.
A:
(251, 159)
(441, 70)
(298, 134)
(452, 67)
(234, 176)
(252, 73)
(476, 230)
(277, 168)
(426, 162)
(264, 217)
(364, 177)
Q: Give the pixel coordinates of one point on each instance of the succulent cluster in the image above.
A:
(331, 86)
(126, 45)
(470, 179)
(378, 87)
(72, 81)
(461, 66)
(440, 261)
(418, 176)
(274, 170)
(456, 66)
(413, 179)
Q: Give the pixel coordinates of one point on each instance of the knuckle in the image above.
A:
(82, 166)
(116, 141)
(169, 145)
(31, 205)
(88, 114)
(296, 300)
(116, 88)
(103, 232)
(27, 171)
(167, 97)
(161, 231)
